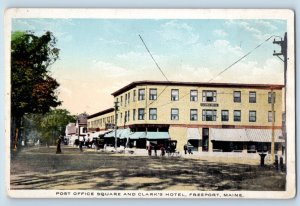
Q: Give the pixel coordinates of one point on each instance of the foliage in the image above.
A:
(33, 90)
(49, 126)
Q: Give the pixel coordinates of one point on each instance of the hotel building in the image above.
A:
(206, 116)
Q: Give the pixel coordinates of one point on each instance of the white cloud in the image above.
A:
(112, 42)
(181, 32)
(224, 47)
(255, 31)
(220, 32)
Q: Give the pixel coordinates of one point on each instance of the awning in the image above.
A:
(193, 133)
(263, 135)
(121, 133)
(157, 135)
(137, 135)
(124, 133)
(230, 135)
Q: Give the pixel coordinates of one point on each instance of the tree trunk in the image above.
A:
(15, 132)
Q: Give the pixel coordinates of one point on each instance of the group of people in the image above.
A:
(187, 149)
(156, 147)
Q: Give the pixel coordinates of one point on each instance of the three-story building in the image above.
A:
(206, 116)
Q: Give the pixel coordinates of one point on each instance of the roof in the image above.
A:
(196, 84)
(101, 113)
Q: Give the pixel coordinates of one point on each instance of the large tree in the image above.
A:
(33, 90)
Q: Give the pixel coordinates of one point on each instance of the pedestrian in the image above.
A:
(58, 148)
(155, 149)
(185, 148)
(149, 150)
(190, 150)
(162, 149)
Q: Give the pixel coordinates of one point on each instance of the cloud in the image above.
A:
(224, 47)
(112, 42)
(180, 32)
(220, 32)
(259, 29)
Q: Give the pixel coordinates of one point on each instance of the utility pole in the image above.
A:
(283, 44)
(116, 121)
(273, 124)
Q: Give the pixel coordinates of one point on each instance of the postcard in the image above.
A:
(150, 103)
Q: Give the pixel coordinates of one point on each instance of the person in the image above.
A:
(58, 148)
(185, 148)
(162, 149)
(155, 149)
(149, 150)
(190, 150)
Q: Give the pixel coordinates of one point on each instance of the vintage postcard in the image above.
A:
(150, 103)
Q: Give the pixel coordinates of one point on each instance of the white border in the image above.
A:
(283, 14)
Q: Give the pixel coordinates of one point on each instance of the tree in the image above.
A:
(33, 90)
(53, 124)
(46, 127)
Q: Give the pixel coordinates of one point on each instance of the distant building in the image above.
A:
(77, 130)
(206, 116)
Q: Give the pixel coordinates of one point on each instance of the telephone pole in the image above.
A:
(282, 55)
(116, 121)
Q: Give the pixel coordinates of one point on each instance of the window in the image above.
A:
(121, 101)
(152, 113)
(141, 94)
(128, 116)
(270, 94)
(209, 96)
(120, 118)
(237, 115)
(252, 116)
(134, 95)
(225, 115)
(128, 96)
(270, 119)
(141, 114)
(236, 96)
(252, 97)
(125, 117)
(174, 94)
(193, 114)
(153, 94)
(125, 99)
(194, 96)
(174, 114)
(133, 115)
(209, 115)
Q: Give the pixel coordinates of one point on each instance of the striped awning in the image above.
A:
(231, 135)
(263, 135)
(193, 133)
(245, 135)
(157, 135)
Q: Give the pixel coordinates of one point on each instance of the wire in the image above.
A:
(240, 58)
(157, 67)
(153, 58)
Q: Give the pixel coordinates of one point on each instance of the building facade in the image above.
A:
(206, 116)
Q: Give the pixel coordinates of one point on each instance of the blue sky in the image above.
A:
(99, 56)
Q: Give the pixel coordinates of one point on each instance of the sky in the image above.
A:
(99, 56)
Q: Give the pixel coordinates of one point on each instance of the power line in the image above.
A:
(157, 67)
(153, 58)
(240, 58)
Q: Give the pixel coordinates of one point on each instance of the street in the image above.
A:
(41, 168)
